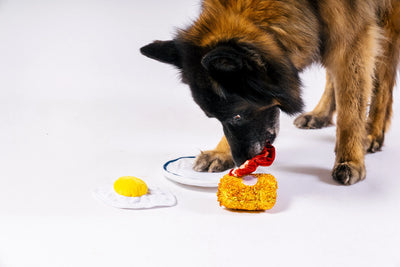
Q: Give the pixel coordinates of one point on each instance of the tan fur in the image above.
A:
(255, 22)
(357, 41)
(326, 106)
(322, 114)
(381, 103)
(223, 145)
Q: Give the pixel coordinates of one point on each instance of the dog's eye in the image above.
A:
(237, 118)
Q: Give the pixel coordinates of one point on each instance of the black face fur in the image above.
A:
(240, 86)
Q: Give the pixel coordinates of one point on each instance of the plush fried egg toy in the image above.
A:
(130, 192)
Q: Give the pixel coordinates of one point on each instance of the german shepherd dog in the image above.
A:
(242, 59)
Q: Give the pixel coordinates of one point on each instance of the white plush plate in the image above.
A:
(154, 198)
(181, 170)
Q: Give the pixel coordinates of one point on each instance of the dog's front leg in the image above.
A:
(217, 160)
(353, 80)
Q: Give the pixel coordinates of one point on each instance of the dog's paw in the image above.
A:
(375, 143)
(213, 161)
(348, 173)
(312, 121)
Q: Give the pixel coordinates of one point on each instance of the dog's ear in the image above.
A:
(223, 60)
(163, 51)
(260, 79)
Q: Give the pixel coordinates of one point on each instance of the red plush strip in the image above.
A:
(265, 159)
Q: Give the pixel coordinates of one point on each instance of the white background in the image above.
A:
(80, 106)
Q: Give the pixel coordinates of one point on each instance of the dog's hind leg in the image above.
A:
(217, 160)
(385, 74)
(322, 114)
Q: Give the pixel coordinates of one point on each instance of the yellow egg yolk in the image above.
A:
(130, 186)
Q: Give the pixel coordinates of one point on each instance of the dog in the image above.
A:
(242, 59)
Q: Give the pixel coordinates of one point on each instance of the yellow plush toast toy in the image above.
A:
(234, 194)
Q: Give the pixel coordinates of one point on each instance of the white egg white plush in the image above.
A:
(155, 197)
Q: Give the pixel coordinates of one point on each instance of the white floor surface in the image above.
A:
(79, 106)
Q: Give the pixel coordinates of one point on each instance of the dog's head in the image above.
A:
(243, 87)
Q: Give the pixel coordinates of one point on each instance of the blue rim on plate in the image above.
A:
(201, 179)
(171, 161)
